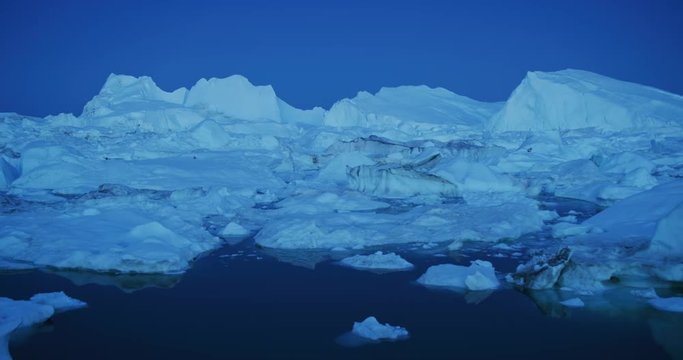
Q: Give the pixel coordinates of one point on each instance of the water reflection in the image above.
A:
(666, 327)
(127, 283)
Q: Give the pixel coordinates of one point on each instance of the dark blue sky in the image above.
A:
(55, 55)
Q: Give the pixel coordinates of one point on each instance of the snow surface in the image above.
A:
(372, 329)
(480, 275)
(377, 261)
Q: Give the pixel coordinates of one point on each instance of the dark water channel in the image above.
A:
(239, 303)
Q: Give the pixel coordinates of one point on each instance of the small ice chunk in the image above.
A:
(480, 275)
(58, 300)
(573, 302)
(672, 304)
(234, 229)
(371, 329)
(377, 261)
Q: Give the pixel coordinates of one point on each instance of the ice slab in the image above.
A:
(58, 300)
(122, 237)
(671, 304)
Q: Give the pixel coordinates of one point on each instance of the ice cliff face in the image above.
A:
(574, 99)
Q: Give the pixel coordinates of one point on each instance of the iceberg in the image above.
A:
(480, 275)
(117, 237)
(18, 314)
(671, 304)
(573, 99)
(377, 261)
(58, 300)
(373, 330)
(235, 97)
(414, 111)
(147, 180)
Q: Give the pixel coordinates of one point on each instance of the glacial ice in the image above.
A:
(146, 180)
(573, 99)
(480, 275)
(372, 329)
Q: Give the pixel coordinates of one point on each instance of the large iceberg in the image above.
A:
(572, 99)
(411, 110)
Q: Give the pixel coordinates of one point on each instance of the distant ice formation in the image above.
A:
(147, 180)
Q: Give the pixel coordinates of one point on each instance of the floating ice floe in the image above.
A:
(377, 261)
(480, 275)
(372, 329)
(671, 304)
(58, 300)
(122, 238)
(17, 314)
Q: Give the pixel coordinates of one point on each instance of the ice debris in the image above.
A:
(372, 329)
